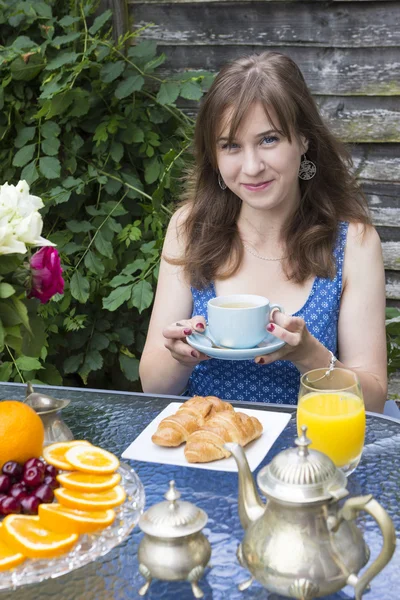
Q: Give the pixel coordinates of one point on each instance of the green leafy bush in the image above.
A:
(94, 130)
(23, 339)
(393, 338)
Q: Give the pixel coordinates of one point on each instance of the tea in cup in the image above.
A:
(239, 320)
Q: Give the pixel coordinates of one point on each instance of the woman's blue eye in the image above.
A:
(270, 139)
(229, 146)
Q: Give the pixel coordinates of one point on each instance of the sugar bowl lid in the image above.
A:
(302, 475)
(173, 518)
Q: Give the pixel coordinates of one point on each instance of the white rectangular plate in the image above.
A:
(142, 448)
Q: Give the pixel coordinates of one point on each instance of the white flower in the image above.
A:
(20, 221)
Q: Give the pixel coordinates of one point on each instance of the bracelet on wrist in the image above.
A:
(332, 362)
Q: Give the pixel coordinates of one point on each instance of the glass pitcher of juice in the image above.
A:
(331, 405)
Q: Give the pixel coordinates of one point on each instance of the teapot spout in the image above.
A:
(251, 506)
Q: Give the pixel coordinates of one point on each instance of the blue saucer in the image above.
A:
(200, 343)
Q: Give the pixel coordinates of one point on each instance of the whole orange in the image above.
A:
(21, 432)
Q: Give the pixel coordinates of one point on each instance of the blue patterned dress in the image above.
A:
(278, 382)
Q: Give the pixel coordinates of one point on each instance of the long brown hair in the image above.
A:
(213, 247)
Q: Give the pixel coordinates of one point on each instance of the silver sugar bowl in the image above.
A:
(173, 547)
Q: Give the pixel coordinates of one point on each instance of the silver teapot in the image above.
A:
(173, 547)
(301, 544)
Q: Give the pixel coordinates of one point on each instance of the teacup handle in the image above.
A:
(349, 512)
(273, 308)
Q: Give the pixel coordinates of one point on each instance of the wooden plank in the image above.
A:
(328, 71)
(385, 217)
(377, 162)
(391, 255)
(354, 119)
(382, 195)
(244, 2)
(271, 24)
(362, 119)
(120, 16)
(392, 286)
(388, 234)
(384, 205)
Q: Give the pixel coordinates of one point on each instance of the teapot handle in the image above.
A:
(349, 512)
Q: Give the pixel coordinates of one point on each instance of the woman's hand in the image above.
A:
(299, 343)
(175, 341)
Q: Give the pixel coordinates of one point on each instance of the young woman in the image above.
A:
(273, 210)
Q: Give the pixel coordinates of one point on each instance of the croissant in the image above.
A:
(175, 429)
(206, 444)
(218, 405)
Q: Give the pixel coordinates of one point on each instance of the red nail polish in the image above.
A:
(261, 361)
(270, 327)
(200, 326)
(187, 331)
(193, 353)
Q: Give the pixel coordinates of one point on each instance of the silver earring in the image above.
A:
(221, 182)
(307, 169)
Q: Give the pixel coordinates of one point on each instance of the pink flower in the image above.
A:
(46, 274)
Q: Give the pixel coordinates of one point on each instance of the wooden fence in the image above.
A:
(349, 53)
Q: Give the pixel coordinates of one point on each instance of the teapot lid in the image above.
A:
(173, 518)
(302, 475)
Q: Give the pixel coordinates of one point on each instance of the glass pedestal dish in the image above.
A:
(89, 546)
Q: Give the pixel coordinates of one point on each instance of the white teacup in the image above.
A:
(239, 320)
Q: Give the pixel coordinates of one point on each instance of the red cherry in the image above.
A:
(10, 505)
(33, 476)
(5, 483)
(44, 493)
(34, 462)
(49, 480)
(13, 469)
(20, 485)
(18, 490)
(30, 505)
(51, 470)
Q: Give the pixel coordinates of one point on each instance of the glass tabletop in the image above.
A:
(113, 420)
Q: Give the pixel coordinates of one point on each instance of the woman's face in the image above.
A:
(260, 166)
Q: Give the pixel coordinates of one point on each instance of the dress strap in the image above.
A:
(339, 252)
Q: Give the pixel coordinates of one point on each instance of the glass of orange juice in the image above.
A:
(331, 405)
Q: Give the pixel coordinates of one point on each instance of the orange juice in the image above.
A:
(335, 422)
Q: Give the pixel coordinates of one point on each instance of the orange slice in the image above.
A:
(27, 535)
(9, 558)
(55, 453)
(91, 501)
(68, 520)
(91, 459)
(87, 482)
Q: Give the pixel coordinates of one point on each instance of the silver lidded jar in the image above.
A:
(173, 547)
